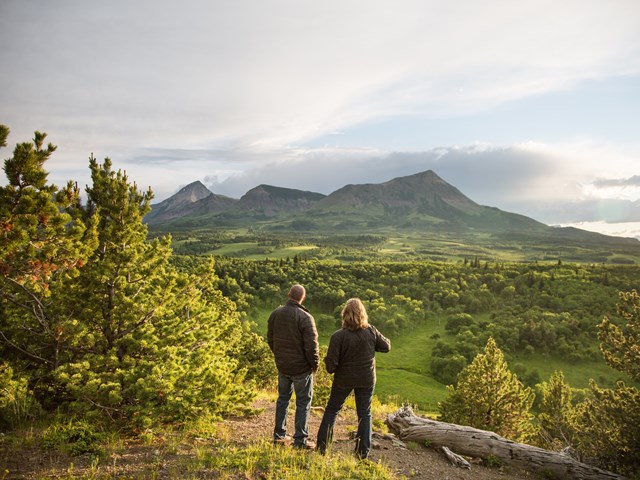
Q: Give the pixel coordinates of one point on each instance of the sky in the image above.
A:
(529, 106)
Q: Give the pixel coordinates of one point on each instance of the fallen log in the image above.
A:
(473, 442)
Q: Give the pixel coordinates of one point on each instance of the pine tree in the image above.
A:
(43, 242)
(621, 345)
(609, 423)
(555, 413)
(37, 233)
(490, 397)
(156, 344)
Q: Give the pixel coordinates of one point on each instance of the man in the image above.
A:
(293, 339)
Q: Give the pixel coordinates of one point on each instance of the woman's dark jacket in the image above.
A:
(293, 339)
(351, 356)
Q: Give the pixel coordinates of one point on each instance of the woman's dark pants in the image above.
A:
(363, 408)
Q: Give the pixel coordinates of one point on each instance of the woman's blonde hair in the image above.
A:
(354, 315)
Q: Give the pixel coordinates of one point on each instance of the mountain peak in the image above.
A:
(424, 191)
(270, 201)
(282, 192)
(178, 203)
(193, 192)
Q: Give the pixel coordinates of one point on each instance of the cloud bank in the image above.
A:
(527, 179)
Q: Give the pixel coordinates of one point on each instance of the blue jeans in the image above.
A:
(303, 386)
(363, 408)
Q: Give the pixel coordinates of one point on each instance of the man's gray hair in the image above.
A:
(297, 293)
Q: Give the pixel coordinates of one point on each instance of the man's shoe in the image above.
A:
(308, 445)
(281, 441)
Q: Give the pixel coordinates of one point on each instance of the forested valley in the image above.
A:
(107, 328)
(530, 310)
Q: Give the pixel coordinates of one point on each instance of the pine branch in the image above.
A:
(29, 354)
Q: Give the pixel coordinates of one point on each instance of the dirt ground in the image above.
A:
(162, 460)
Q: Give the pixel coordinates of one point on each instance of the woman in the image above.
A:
(351, 358)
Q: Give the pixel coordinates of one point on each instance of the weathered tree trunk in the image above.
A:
(481, 443)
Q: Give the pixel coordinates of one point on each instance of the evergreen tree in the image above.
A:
(609, 423)
(43, 242)
(38, 234)
(621, 345)
(490, 397)
(556, 411)
(156, 344)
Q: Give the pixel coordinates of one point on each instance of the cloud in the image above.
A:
(633, 181)
(627, 229)
(200, 75)
(596, 210)
(538, 180)
(487, 174)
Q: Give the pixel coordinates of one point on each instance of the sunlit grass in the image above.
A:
(288, 252)
(402, 387)
(232, 248)
(576, 374)
(265, 461)
(261, 319)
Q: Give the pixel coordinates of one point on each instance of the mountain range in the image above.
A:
(423, 202)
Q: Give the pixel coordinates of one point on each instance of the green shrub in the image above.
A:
(492, 461)
(16, 401)
(74, 437)
(412, 446)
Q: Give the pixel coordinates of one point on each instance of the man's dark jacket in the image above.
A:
(351, 356)
(293, 339)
